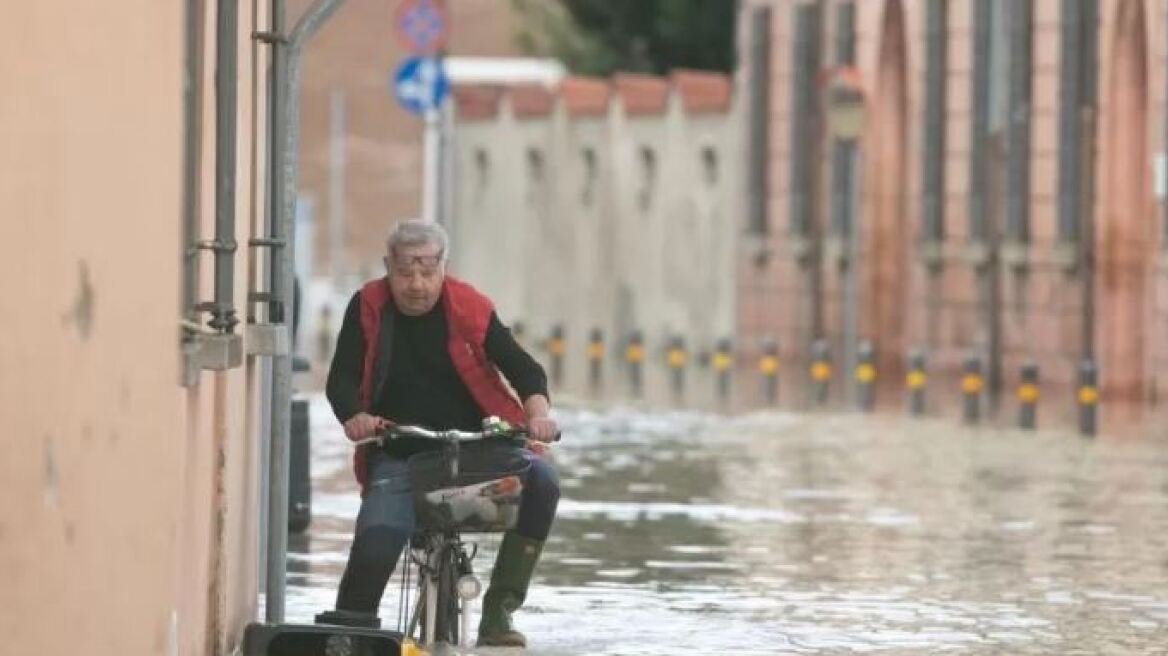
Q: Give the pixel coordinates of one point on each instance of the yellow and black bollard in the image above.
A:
(1088, 398)
(635, 357)
(768, 367)
(555, 348)
(865, 376)
(595, 360)
(1028, 396)
(676, 358)
(820, 371)
(972, 384)
(723, 361)
(915, 381)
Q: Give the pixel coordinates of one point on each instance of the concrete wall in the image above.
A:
(616, 252)
(906, 305)
(129, 514)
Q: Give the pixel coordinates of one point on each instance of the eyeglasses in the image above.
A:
(427, 264)
(426, 261)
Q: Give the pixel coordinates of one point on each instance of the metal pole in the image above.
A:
(432, 165)
(192, 100)
(226, 104)
(851, 190)
(287, 169)
(337, 163)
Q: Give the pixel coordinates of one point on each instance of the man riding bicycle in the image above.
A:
(423, 348)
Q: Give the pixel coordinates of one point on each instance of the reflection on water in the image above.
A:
(778, 533)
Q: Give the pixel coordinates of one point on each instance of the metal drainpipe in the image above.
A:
(223, 318)
(192, 100)
(284, 173)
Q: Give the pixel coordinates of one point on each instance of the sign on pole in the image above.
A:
(422, 25)
(420, 84)
(845, 103)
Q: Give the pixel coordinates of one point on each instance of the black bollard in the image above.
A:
(915, 381)
(865, 376)
(676, 358)
(1088, 398)
(555, 347)
(820, 371)
(1028, 396)
(723, 361)
(595, 360)
(972, 384)
(299, 468)
(768, 366)
(635, 357)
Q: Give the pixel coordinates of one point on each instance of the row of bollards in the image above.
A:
(820, 374)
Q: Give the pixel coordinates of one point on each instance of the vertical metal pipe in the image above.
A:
(277, 127)
(192, 100)
(804, 94)
(223, 317)
(759, 119)
(1087, 114)
(1018, 179)
(850, 188)
(287, 168)
(979, 126)
(933, 188)
(1069, 136)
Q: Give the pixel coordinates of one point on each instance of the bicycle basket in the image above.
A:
(484, 497)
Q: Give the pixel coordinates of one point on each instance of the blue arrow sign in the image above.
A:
(420, 84)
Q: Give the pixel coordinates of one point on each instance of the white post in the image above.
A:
(464, 630)
(432, 165)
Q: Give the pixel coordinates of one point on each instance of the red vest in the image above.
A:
(468, 313)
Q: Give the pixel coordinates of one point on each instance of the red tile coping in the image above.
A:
(702, 91)
(641, 93)
(477, 101)
(699, 91)
(531, 100)
(585, 96)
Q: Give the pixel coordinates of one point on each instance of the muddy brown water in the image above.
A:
(789, 534)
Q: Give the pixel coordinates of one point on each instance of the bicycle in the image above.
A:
(455, 492)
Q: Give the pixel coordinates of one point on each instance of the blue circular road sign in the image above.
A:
(420, 84)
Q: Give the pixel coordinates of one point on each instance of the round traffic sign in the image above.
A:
(422, 25)
(420, 84)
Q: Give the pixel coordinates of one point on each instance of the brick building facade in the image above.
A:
(1006, 183)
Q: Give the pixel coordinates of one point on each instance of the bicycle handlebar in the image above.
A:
(452, 435)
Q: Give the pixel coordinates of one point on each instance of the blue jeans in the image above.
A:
(385, 524)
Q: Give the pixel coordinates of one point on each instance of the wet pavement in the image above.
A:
(789, 534)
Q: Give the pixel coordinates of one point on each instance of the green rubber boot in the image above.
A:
(508, 589)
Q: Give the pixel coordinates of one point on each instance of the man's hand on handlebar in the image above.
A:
(363, 425)
(543, 429)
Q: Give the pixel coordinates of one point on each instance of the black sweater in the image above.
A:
(421, 385)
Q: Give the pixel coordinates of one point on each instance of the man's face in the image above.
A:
(415, 277)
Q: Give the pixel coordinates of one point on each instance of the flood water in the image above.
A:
(789, 534)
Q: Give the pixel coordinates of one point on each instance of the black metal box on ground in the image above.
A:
(299, 470)
(319, 640)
